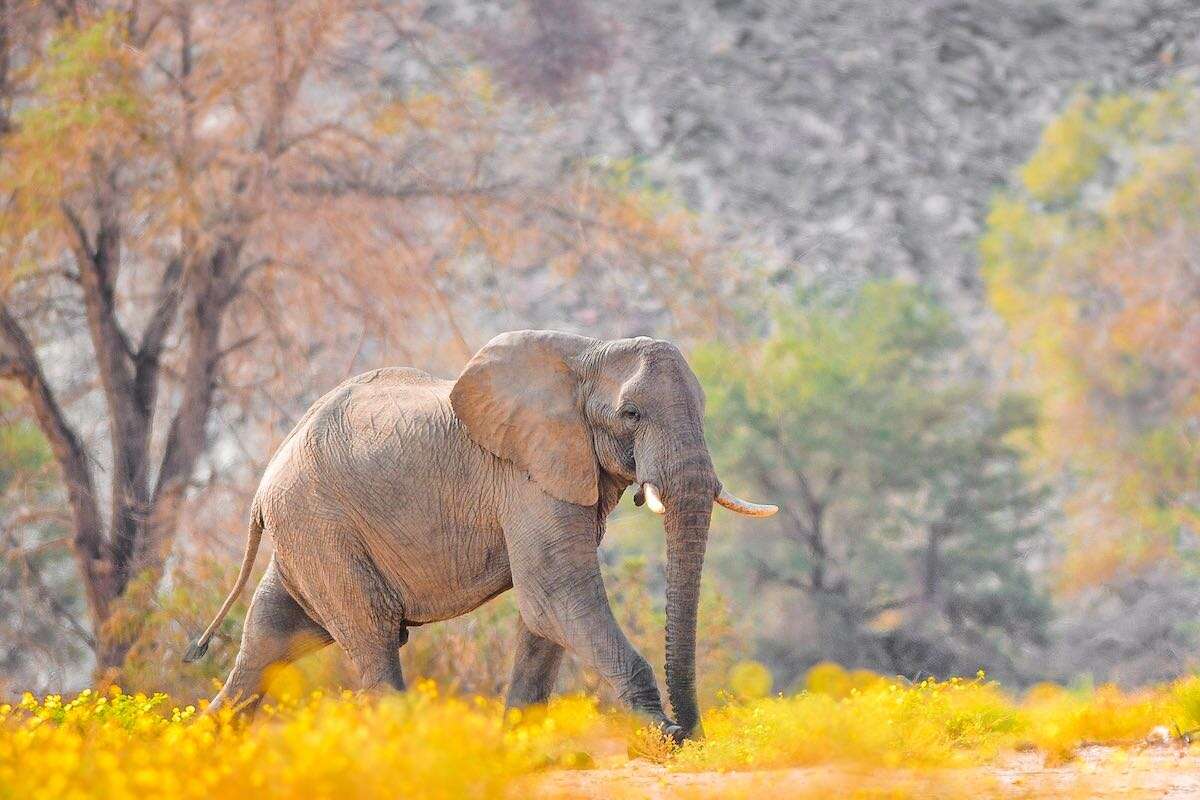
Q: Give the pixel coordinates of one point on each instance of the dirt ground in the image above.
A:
(1163, 773)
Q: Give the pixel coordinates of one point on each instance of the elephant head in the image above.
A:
(578, 414)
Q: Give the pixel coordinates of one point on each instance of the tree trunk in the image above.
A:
(131, 553)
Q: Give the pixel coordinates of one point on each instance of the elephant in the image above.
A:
(401, 499)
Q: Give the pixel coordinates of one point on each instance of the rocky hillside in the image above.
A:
(853, 136)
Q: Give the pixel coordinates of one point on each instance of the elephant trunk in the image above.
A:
(688, 510)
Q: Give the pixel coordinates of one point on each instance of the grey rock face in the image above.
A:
(860, 137)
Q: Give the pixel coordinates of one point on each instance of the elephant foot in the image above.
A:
(666, 726)
(672, 731)
(656, 740)
(676, 732)
(659, 721)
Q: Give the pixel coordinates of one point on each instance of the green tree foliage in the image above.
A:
(1091, 261)
(906, 523)
(89, 108)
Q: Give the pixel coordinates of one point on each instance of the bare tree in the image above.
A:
(220, 204)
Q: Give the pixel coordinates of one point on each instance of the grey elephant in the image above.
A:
(400, 499)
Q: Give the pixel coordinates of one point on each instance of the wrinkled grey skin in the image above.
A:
(401, 499)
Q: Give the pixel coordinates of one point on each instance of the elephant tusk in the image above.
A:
(735, 503)
(653, 499)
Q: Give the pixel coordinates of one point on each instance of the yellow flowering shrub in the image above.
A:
(848, 717)
(1058, 721)
(926, 724)
(424, 744)
(415, 745)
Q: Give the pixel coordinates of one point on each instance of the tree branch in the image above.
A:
(772, 573)
(346, 186)
(170, 293)
(129, 430)
(35, 576)
(185, 436)
(19, 361)
(98, 264)
(811, 531)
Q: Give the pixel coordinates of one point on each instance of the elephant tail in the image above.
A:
(200, 646)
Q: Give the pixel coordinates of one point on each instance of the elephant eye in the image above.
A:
(630, 413)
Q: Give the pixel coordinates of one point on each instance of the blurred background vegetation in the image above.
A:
(936, 265)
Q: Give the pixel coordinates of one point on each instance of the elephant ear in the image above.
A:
(519, 399)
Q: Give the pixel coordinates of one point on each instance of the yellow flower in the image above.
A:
(427, 744)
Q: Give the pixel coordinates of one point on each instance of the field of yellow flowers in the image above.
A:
(424, 745)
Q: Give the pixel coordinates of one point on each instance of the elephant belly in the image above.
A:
(441, 574)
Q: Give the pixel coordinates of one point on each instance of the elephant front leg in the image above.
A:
(561, 597)
(535, 668)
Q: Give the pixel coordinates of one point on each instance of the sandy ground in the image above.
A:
(1164, 773)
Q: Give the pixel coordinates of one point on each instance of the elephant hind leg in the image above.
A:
(276, 633)
(378, 664)
(365, 615)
